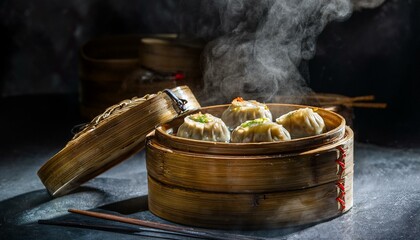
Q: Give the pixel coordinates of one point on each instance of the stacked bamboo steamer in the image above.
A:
(212, 184)
(121, 67)
(251, 185)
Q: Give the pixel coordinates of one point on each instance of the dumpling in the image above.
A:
(240, 111)
(303, 122)
(204, 127)
(259, 130)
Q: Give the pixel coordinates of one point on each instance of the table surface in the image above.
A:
(386, 185)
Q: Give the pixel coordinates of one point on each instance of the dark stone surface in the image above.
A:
(386, 185)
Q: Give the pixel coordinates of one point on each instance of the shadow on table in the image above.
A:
(139, 204)
(20, 216)
(11, 208)
(31, 206)
(128, 206)
(25, 210)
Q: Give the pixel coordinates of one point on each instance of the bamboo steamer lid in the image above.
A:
(111, 137)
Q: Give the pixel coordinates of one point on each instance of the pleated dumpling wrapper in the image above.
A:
(259, 130)
(241, 110)
(204, 127)
(303, 122)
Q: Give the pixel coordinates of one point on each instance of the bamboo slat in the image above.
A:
(110, 138)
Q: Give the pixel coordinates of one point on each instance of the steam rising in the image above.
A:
(259, 45)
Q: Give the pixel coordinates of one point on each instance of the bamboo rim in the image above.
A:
(171, 47)
(249, 173)
(335, 123)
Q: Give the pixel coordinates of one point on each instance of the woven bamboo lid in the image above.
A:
(111, 137)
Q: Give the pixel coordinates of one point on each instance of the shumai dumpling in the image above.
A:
(204, 127)
(240, 111)
(303, 122)
(259, 130)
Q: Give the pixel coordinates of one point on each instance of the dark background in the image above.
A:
(375, 51)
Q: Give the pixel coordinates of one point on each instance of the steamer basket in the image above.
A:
(247, 211)
(334, 122)
(115, 68)
(266, 185)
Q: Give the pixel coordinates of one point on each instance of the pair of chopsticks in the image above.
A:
(353, 101)
(166, 228)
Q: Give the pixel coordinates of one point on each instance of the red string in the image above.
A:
(340, 183)
(342, 203)
(340, 161)
(341, 187)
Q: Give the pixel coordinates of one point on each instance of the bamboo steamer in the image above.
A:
(260, 185)
(114, 68)
(111, 137)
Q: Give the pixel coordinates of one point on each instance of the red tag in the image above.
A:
(179, 76)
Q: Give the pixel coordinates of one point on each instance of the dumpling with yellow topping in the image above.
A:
(204, 127)
(259, 130)
(241, 110)
(303, 122)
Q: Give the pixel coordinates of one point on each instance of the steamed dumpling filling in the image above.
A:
(241, 110)
(303, 122)
(259, 130)
(204, 127)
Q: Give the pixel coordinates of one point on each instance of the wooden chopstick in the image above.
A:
(366, 105)
(359, 104)
(356, 102)
(363, 98)
(171, 228)
(340, 98)
(348, 101)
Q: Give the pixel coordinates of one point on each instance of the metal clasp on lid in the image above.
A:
(180, 103)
